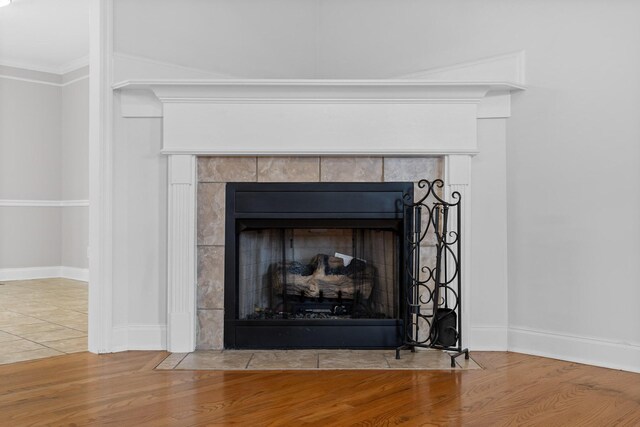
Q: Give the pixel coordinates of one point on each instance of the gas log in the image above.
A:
(325, 276)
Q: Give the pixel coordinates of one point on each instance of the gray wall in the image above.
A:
(43, 157)
(74, 170)
(30, 237)
(30, 123)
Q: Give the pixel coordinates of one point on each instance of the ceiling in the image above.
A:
(45, 35)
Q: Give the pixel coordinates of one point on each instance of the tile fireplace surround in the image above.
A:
(214, 172)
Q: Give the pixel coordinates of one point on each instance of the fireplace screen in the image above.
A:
(317, 273)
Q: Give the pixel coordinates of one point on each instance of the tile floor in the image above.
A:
(42, 318)
(228, 360)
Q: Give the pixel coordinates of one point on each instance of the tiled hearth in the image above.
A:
(214, 172)
(233, 360)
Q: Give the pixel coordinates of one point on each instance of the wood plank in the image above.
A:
(124, 389)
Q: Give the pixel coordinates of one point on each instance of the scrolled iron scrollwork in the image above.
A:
(432, 293)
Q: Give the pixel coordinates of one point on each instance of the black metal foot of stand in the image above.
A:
(404, 347)
(459, 353)
(453, 355)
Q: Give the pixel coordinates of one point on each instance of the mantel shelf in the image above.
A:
(295, 90)
(304, 117)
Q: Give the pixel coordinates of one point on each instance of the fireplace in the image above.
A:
(327, 130)
(314, 265)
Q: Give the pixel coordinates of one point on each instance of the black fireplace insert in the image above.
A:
(315, 265)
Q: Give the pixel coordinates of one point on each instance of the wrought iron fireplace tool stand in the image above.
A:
(432, 294)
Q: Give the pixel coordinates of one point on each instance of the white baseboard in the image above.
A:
(139, 337)
(119, 339)
(487, 338)
(590, 351)
(8, 203)
(30, 273)
(75, 273)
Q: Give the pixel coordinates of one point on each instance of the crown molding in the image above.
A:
(43, 82)
(30, 80)
(68, 67)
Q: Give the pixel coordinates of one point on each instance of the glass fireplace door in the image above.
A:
(317, 273)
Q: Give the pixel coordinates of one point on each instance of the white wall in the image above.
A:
(43, 157)
(489, 289)
(572, 143)
(241, 38)
(140, 228)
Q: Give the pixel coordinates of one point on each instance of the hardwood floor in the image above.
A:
(123, 389)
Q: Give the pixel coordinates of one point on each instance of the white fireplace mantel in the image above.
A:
(312, 117)
(426, 113)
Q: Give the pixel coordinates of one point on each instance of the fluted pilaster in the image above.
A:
(181, 254)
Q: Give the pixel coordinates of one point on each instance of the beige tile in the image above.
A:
(21, 329)
(310, 359)
(70, 345)
(211, 214)
(59, 314)
(288, 169)
(17, 346)
(21, 319)
(224, 360)
(352, 351)
(5, 337)
(428, 259)
(9, 316)
(351, 169)
(226, 169)
(66, 317)
(426, 308)
(171, 361)
(79, 308)
(53, 335)
(211, 277)
(467, 363)
(352, 360)
(421, 359)
(210, 330)
(34, 309)
(84, 327)
(292, 359)
(428, 227)
(413, 169)
(28, 355)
